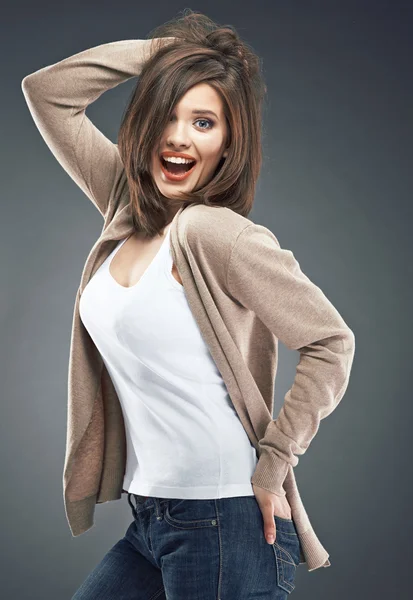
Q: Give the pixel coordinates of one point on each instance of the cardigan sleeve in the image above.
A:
(57, 97)
(268, 280)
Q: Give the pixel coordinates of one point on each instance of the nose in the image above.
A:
(177, 137)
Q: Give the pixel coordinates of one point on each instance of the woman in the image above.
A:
(176, 324)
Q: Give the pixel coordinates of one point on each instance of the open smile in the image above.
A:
(171, 176)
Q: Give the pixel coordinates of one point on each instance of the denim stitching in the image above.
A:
(183, 526)
(220, 551)
(157, 594)
(280, 569)
(287, 553)
(186, 524)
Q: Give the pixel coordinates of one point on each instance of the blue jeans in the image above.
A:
(204, 549)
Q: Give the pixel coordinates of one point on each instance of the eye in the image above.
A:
(211, 123)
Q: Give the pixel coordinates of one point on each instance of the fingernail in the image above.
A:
(270, 539)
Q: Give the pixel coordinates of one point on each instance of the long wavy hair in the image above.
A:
(197, 50)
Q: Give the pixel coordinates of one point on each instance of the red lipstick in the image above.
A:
(176, 177)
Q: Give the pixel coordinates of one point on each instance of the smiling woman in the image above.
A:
(171, 381)
(194, 152)
(199, 96)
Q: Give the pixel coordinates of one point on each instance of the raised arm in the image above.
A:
(57, 97)
(268, 280)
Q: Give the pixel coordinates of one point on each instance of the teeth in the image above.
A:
(177, 160)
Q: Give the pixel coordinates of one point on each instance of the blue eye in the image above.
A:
(211, 123)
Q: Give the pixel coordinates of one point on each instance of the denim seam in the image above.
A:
(220, 550)
(157, 594)
(188, 524)
(284, 580)
(287, 553)
(280, 569)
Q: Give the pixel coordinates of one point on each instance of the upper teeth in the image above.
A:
(176, 159)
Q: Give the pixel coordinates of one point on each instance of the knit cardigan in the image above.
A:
(245, 292)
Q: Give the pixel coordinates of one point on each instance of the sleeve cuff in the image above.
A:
(270, 473)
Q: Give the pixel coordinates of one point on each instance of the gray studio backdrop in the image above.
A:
(335, 188)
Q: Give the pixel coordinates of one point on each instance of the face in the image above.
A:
(201, 136)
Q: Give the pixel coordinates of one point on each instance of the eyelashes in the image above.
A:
(210, 122)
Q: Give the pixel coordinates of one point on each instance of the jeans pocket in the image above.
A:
(287, 553)
(190, 514)
(286, 568)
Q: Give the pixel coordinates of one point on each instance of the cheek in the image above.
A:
(155, 166)
(212, 156)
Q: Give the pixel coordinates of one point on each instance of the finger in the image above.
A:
(269, 525)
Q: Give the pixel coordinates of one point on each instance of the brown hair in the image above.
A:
(197, 50)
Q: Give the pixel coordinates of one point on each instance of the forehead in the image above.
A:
(202, 96)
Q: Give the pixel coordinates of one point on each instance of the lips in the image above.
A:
(174, 176)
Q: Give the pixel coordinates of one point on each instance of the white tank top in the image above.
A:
(176, 407)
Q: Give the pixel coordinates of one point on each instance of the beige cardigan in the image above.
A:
(244, 290)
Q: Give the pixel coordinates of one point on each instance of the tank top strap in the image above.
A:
(167, 257)
(167, 262)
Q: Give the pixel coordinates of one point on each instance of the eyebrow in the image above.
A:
(199, 111)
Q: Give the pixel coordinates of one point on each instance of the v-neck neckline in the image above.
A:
(149, 266)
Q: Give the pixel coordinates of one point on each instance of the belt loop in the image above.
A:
(135, 514)
(158, 508)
